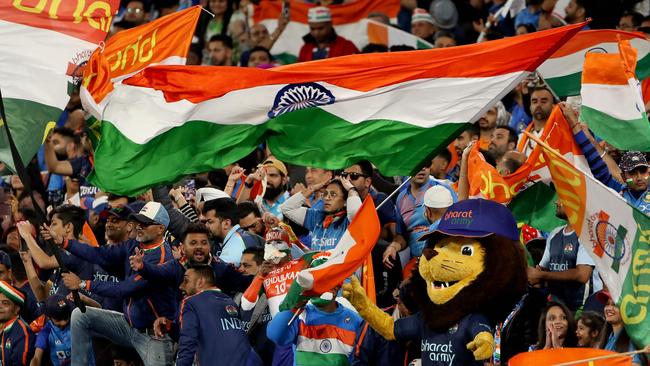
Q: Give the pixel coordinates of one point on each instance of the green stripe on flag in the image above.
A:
(319, 359)
(309, 137)
(27, 121)
(564, 86)
(420, 45)
(624, 135)
(535, 206)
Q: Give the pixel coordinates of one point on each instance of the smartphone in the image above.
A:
(286, 9)
(190, 189)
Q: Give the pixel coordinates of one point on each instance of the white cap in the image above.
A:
(209, 193)
(438, 197)
(319, 14)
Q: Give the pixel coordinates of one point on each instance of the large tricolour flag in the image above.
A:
(612, 104)
(348, 255)
(44, 44)
(616, 236)
(349, 21)
(395, 109)
(164, 41)
(563, 70)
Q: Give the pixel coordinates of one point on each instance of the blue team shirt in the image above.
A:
(59, 343)
(323, 238)
(448, 348)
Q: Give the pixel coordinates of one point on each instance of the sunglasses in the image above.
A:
(251, 225)
(353, 176)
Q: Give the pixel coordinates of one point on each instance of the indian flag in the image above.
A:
(616, 236)
(163, 41)
(349, 254)
(395, 109)
(571, 356)
(349, 22)
(563, 70)
(44, 45)
(612, 104)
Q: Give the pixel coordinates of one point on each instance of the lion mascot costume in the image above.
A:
(471, 274)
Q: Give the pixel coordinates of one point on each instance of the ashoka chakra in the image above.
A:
(300, 96)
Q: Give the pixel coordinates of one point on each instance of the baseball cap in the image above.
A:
(603, 296)
(475, 218)
(631, 160)
(438, 197)
(319, 14)
(277, 164)
(58, 307)
(121, 212)
(444, 14)
(136, 206)
(5, 259)
(12, 293)
(209, 193)
(421, 15)
(100, 205)
(153, 213)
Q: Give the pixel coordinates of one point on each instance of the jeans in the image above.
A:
(112, 326)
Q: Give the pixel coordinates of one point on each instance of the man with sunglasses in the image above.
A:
(143, 301)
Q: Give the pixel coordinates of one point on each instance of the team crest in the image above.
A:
(453, 329)
(231, 310)
(8, 344)
(568, 248)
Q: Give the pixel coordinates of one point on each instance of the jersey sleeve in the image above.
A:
(583, 257)
(408, 328)
(41, 338)
(478, 323)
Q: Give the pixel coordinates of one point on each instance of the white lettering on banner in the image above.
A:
(558, 267)
(231, 323)
(441, 352)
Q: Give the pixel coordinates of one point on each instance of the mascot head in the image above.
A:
(472, 262)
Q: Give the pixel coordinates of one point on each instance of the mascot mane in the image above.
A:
(493, 293)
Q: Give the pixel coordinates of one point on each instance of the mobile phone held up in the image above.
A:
(190, 189)
(286, 9)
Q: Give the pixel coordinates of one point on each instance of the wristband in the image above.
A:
(249, 186)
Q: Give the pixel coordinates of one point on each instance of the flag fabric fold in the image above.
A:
(612, 104)
(562, 355)
(43, 51)
(615, 235)
(562, 71)
(348, 255)
(169, 121)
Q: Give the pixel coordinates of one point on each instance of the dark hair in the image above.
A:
(529, 27)
(338, 183)
(146, 4)
(17, 266)
(444, 33)
(473, 130)
(204, 271)
(513, 164)
(113, 197)
(196, 228)
(224, 208)
(512, 134)
(262, 49)
(226, 40)
(570, 339)
(71, 214)
(366, 167)
(542, 88)
(246, 208)
(218, 178)
(374, 48)
(637, 19)
(445, 154)
(67, 132)
(258, 254)
(592, 320)
(400, 48)
(587, 5)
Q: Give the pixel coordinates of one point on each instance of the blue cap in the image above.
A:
(153, 213)
(475, 218)
(136, 206)
(58, 307)
(5, 259)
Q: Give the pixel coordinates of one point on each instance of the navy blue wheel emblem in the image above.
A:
(300, 96)
(610, 240)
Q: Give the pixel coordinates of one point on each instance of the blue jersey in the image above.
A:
(324, 236)
(59, 343)
(448, 348)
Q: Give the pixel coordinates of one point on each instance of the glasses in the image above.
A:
(353, 176)
(254, 224)
(330, 194)
(134, 10)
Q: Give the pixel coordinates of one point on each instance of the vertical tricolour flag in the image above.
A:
(562, 71)
(163, 41)
(616, 236)
(386, 108)
(44, 45)
(349, 22)
(612, 104)
(349, 254)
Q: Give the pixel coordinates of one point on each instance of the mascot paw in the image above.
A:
(355, 294)
(482, 346)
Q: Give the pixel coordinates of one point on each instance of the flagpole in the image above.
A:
(547, 147)
(19, 165)
(393, 193)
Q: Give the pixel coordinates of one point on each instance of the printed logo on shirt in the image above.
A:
(439, 352)
(231, 310)
(346, 320)
(568, 248)
(326, 346)
(453, 329)
(8, 343)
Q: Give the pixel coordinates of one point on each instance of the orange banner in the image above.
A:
(558, 356)
(350, 12)
(87, 20)
(132, 50)
(485, 181)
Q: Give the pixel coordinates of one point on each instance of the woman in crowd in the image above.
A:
(327, 219)
(557, 327)
(589, 326)
(614, 337)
